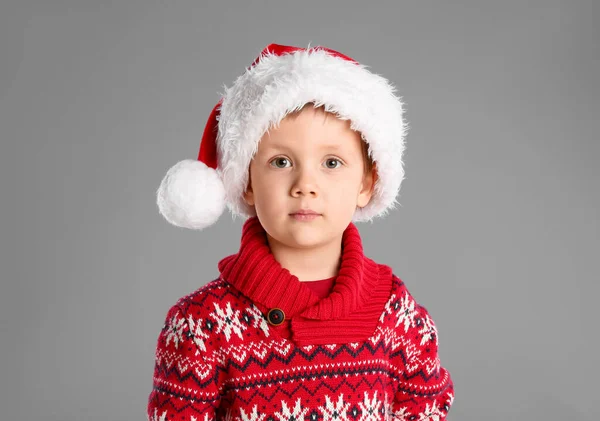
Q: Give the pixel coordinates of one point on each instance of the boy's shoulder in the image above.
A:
(215, 295)
(407, 313)
(399, 287)
(215, 315)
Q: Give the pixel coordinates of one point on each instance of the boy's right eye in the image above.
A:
(280, 162)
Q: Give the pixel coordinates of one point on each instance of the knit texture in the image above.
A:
(350, 312)
(351, 356)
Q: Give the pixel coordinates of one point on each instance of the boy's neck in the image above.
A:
(310, 264)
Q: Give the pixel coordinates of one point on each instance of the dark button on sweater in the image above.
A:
(275, 316)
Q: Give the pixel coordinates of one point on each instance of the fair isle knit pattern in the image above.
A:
(219, 358)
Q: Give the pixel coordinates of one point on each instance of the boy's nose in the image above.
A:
(304, 184)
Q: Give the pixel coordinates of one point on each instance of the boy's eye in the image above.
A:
(280, 162)
(331, 163)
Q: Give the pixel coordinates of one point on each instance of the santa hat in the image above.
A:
(283, 79)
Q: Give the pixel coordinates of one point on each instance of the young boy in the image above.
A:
(300, 324)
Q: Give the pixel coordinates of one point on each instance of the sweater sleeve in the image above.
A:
(425, 388)
(186, 372)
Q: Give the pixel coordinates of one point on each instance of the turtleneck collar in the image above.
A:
(358, 286)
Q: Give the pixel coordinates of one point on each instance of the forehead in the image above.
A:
(313, 126)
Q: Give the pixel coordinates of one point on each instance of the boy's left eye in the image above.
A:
(331, 163)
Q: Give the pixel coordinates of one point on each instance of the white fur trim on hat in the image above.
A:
(191, 195)
(277, 85)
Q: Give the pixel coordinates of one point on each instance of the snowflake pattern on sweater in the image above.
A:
(217, 358)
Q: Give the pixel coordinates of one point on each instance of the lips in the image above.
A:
(305, 212)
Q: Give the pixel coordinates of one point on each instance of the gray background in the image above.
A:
(497, 235)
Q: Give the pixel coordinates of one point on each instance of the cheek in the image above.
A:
(269, 188)
(345, 187)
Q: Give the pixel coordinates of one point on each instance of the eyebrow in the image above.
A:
(286, 147)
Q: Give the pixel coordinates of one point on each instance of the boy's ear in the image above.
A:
(367, 187)
(249, 193)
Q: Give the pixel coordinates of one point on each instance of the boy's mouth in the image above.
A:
(305, 215)
(305, 212)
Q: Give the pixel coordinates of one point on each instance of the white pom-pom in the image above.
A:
(191, 195)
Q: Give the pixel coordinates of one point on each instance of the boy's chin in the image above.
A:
(306, 238)
(305, 242)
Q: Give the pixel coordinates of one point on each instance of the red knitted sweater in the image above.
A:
(257, 344)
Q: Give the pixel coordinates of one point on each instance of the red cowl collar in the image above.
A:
(349, 314)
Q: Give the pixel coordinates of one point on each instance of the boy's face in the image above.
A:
(312, 161)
